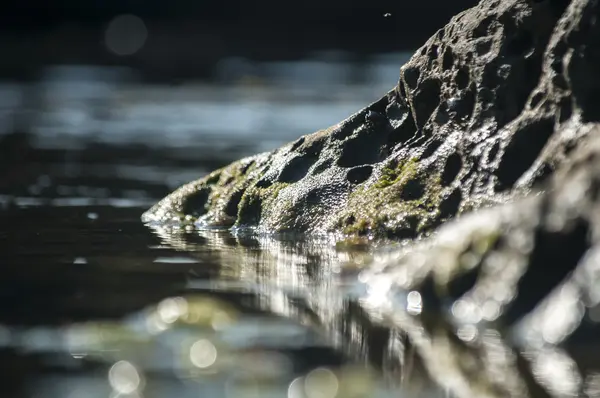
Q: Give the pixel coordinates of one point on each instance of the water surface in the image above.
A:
(95, 304)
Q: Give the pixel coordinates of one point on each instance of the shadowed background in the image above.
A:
(185, 39)
(108, 105)
(133, 98)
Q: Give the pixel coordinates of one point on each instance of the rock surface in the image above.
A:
(489, 106)
(510, 291)
(503, 302)
(502, 105)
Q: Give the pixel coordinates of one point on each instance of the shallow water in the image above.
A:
(95, 304)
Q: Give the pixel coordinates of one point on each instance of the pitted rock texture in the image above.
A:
(491, 105)
(511, 292)
(503, 302)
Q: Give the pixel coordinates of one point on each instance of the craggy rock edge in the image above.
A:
(488, 107)
(511, 291)
(497, 302)
(502, 302)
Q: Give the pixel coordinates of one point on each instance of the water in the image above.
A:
(95, 304)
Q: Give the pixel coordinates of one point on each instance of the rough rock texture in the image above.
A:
(503, 302)
(490, 105)
(503, 103)
(512, 291)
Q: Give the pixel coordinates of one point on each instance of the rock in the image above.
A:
(502, 302)
(511, 291)
(490, 106)
(499, 109)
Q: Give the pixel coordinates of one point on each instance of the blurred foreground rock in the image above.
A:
(510, 292)
(502, 105)
(487, 108)
(503, 302)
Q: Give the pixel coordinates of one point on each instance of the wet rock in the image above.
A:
(512, 289)
(502, 302)
(489, 107)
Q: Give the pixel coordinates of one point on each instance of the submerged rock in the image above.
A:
(488, 107)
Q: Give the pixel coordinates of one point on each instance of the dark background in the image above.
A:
(213, 81)
(186, 38)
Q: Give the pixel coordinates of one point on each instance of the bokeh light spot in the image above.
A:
(126, 34)
(414, 303)
(203, 354)
(124, 377)
(171, 309)
(296, 388)
(321, 383)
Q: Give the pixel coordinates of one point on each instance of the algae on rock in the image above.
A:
(402, 200)
(487, 108)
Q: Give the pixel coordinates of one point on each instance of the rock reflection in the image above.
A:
(393, 317)
(313, 282)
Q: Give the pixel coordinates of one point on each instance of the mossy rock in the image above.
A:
(484, 111)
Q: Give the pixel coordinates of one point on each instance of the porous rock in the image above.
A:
(508, 295)
(503, 302)
(490, 106)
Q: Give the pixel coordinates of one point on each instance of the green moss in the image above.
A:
(360, 227)
(353, 244)
(255, 200)
(273, 190)
(221, 187)
(403, 203)
(391, 175)
(232, 178)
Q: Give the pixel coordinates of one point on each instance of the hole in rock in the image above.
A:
(451, 169)
(450, 205)
(414, 189)
(430, 149)
(231, 209)
(521, 152)
(359, 174)
(520, 44)
(535, 99)
(565, 109)
(411, 77)
(448, 59)
(194, 204)
(462, 78)
(483, 28)
(296, 168)
(363, 149)
(426, 99)
(297, 144)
